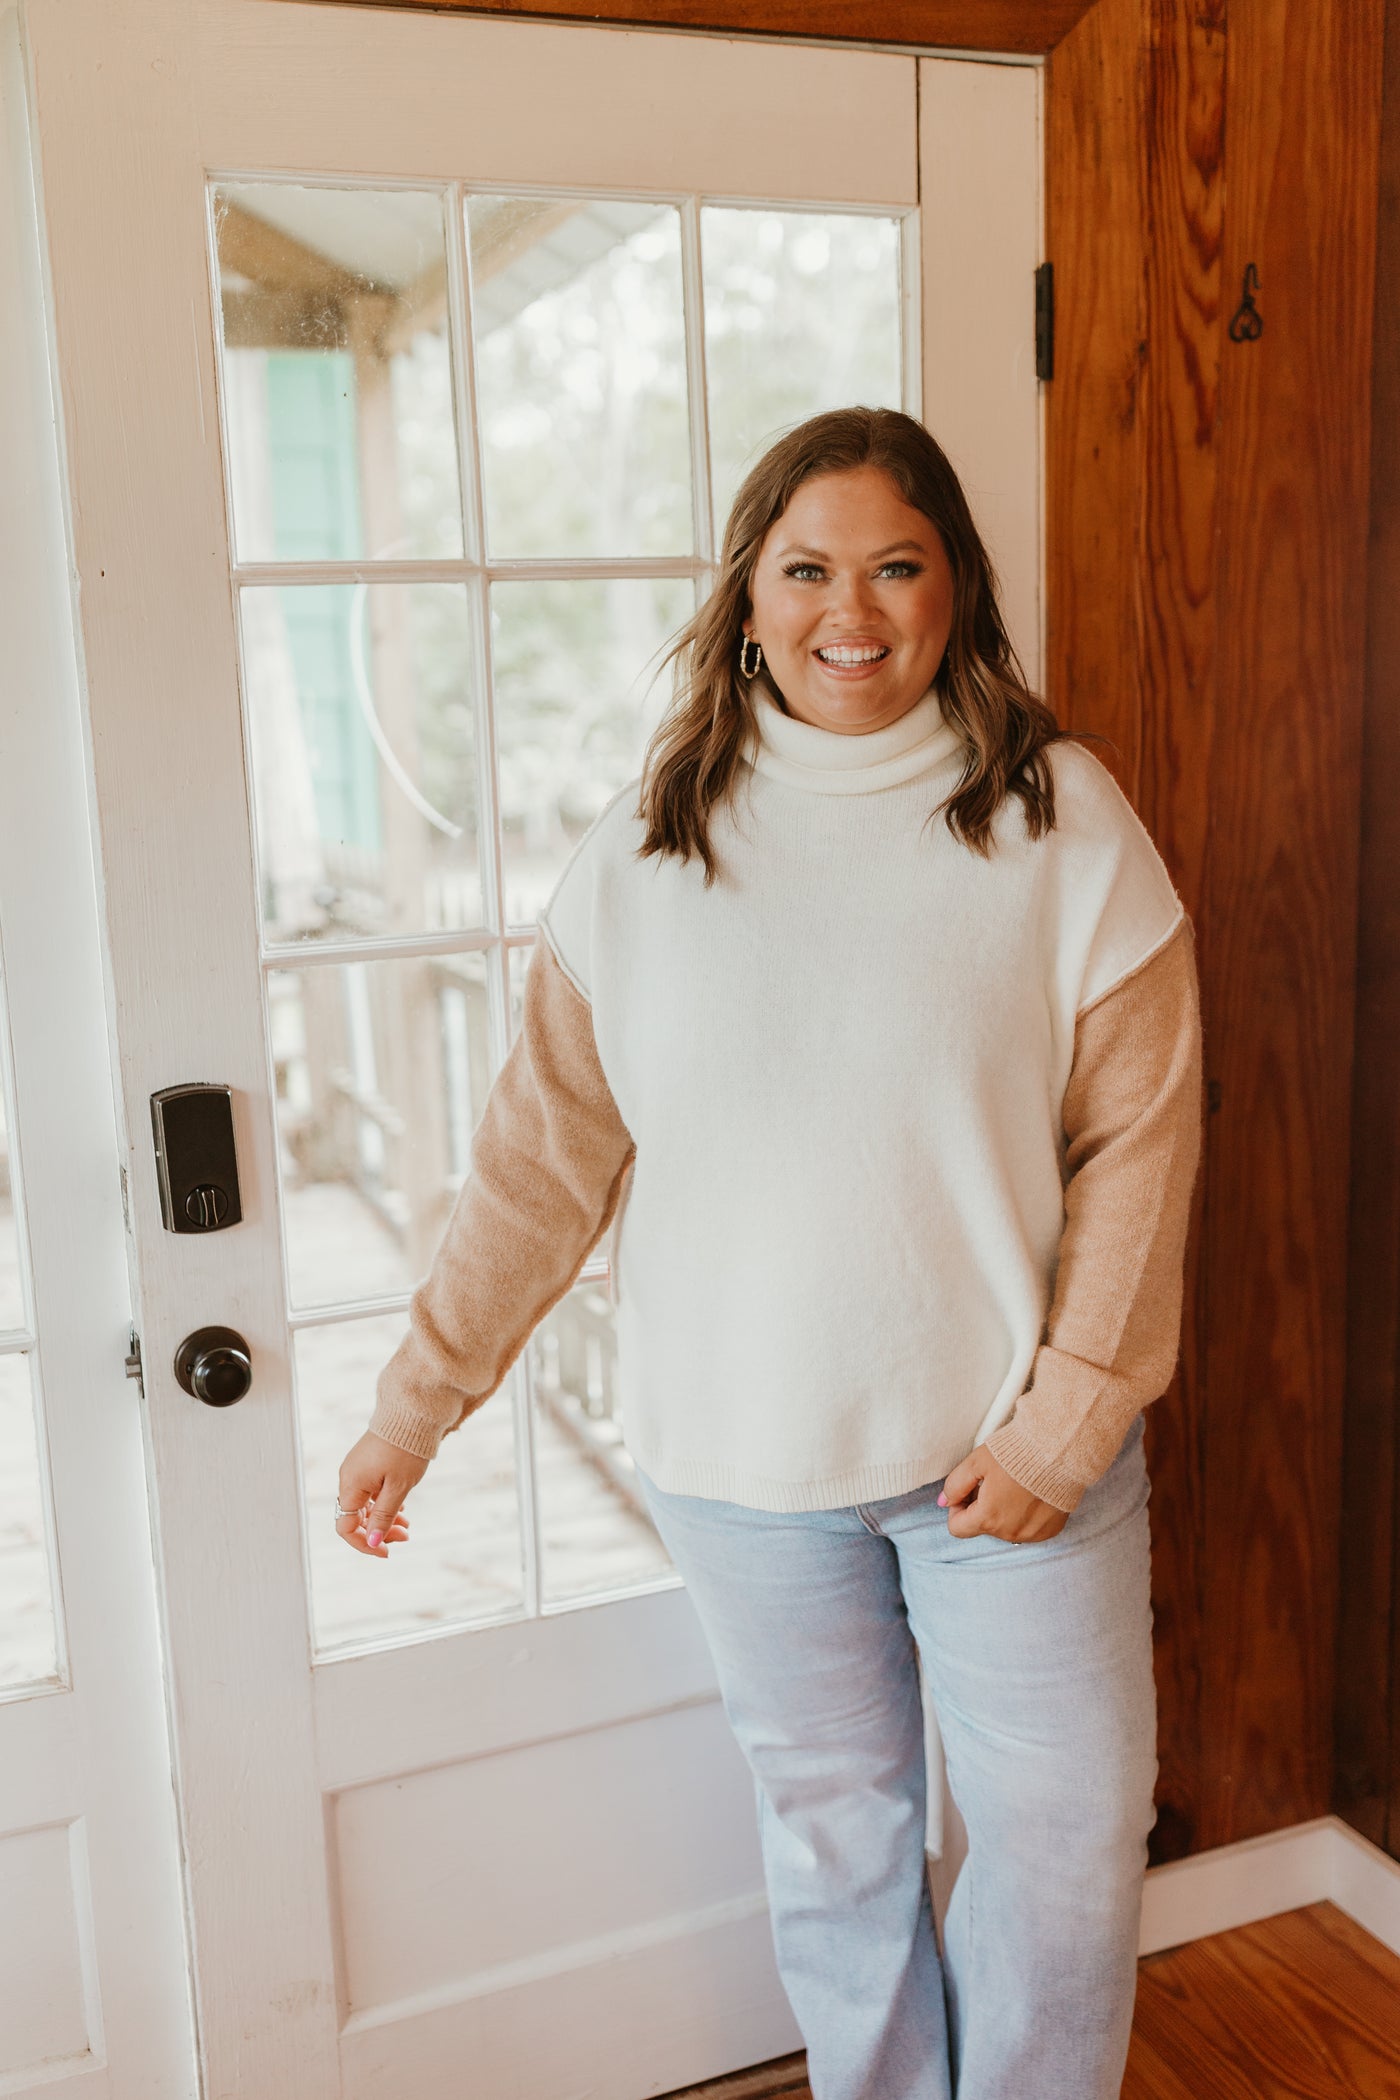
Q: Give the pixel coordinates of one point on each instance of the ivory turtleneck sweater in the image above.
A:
(896, 1142)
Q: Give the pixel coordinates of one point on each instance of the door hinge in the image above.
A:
(1045, 321)
(133, 1362)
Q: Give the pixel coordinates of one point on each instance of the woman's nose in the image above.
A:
(851, 597)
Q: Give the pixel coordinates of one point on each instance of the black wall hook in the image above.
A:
(1247, 324)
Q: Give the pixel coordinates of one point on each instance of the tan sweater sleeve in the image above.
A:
(547, 1164)
(1132, 1119)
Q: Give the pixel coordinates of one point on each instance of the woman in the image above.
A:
(903, 1116)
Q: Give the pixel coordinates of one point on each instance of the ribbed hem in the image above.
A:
(725, 1483)
(1033, 1471)
(411, 1432)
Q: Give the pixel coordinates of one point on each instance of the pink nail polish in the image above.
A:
(942, 1501)
(375, 1537)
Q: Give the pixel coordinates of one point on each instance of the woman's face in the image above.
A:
(852, 597)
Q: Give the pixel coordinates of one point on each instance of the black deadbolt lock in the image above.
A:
(195, 1159)
(215, 1364)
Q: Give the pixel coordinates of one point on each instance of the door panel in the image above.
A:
(93, 1998)
(351, 703)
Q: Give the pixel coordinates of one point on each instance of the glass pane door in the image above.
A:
(479, 444)
(431, 657)
(29, 1647)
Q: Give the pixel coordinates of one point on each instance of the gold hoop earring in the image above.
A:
(750, 640)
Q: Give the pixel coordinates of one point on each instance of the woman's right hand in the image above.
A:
(375, 1476)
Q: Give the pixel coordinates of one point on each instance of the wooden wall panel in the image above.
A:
(957, 25)
(1136, 122)
(1178, 641)
(1300, 178)
(1215, 493)
(1368, 1645)
(1096, 114)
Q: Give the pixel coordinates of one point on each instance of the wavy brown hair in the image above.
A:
(694, 758)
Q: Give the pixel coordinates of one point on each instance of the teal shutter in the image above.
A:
(316, 508)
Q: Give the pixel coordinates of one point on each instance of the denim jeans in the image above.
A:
(1038, 1662)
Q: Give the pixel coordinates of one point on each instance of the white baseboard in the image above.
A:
(1323, 1861)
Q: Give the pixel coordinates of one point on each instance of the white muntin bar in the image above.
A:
(353, 1309)
(456, 569)
(408, 947)
(488, 800)
(911, 308)
(697, 390)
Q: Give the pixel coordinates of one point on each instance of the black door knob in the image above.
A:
(215, 1364)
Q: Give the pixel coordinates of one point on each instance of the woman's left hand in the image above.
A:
(983, 1501)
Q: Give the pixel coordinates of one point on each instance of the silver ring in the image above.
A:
(339, 1512)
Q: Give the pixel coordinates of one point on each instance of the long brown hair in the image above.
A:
(694, 757)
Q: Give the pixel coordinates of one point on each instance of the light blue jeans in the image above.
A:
(1038, 1660)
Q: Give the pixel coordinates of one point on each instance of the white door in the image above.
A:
(406, 364)
(93, 1998)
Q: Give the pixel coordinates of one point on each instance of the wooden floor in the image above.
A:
(1302, 2007)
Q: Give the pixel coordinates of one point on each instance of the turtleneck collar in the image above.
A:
(829, 763)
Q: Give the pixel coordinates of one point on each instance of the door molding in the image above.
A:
(88, 1831)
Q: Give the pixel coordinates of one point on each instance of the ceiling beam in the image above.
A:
(278, 262)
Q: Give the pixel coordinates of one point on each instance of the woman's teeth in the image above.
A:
(852, 656)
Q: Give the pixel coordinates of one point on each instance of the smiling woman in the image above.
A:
(895, 1124)
(852, 602)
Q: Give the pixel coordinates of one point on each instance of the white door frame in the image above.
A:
(87, 1817)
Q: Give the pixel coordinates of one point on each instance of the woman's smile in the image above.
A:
(851, 659)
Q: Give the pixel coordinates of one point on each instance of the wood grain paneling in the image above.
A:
(1368, 1645)
(1185, 197)
(1300, 2007)
(1301, 165)
(955, 25)
(1096, 113)
(1136, 118)
(1207, 520)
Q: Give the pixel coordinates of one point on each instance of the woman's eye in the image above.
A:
(808, 571)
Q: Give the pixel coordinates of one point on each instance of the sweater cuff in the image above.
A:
(1015, 1452)
(412, 1432)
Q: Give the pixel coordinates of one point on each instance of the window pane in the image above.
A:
(802, 313)
(337, 372)
(363, 735)
(595, 1533)
(382, 1075)
(28, 1650)
(580, 351)
(11, 1280)
(462, 1560)
(519, 964)
(578, 692)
